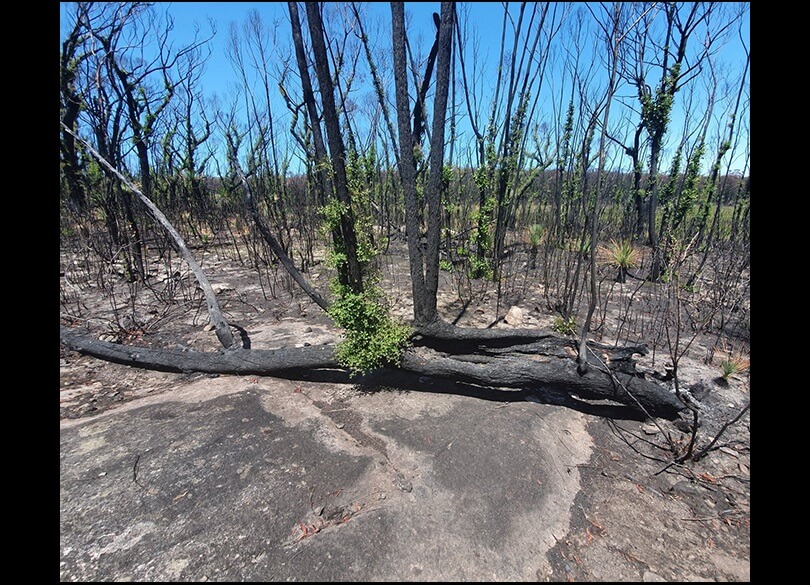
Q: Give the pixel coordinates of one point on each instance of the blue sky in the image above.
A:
(224, 13)
(486, 16)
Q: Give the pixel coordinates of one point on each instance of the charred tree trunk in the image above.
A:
(419, 117)
(322, 178)
(352, 273)
(71, 106)
(657, 268)
(424, 264)
(436, 158)
(407, 164)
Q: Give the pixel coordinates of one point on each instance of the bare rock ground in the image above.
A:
(450, 482)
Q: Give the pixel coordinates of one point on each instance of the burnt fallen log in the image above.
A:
(534, 359)
(285, 361)
(559, 373)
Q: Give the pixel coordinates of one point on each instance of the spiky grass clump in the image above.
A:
(534, 235)
(621, 254)
(736, 364)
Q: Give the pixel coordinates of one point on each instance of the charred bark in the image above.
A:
(492, 358)
(407, 167)
(277, 362)
(419, 118)
(351, 274)
(424, 265)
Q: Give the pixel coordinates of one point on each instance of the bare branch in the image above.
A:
(223, 331)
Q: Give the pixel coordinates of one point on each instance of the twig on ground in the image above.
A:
(609, 372)
(702, 452)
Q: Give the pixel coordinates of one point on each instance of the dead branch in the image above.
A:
(221, 326)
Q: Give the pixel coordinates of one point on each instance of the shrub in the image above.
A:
(565, 326)
(372, 338)
(481, 268)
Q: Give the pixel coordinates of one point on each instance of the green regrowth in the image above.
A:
(372, 338)
(734, 365)
(622, 254)
(565, 326)
(534, 235)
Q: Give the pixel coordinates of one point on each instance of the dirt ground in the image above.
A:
(636, 517)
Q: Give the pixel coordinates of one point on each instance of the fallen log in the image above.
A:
(538, 360)
(559, 373)
(233, 361)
